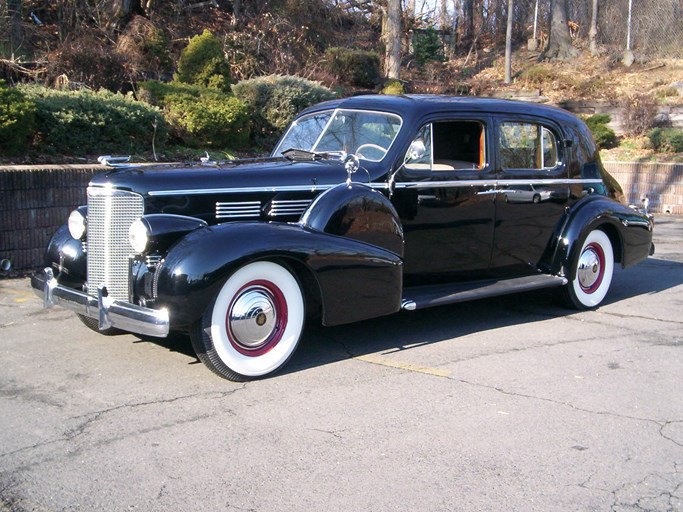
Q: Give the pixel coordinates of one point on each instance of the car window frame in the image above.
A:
(485, 118)
(544, 122)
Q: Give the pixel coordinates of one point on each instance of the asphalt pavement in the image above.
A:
(511, 404)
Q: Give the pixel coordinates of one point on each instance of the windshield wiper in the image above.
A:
(301, 155)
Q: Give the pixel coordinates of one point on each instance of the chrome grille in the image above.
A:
(238, 210)
(287, 207)
(110, 214)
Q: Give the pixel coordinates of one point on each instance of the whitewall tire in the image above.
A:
(253, 325)
(592, 267)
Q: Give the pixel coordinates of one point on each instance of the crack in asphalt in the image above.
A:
(334, 433)
(79, 430)
(639, 503)
(641, 317)
(662, 424)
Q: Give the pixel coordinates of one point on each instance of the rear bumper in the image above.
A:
(109, 313)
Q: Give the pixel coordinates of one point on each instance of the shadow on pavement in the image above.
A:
(406, 330)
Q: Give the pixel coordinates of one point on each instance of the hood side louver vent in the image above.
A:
(238, 210)
(286, 208)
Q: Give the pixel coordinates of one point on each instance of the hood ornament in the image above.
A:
(351, 164)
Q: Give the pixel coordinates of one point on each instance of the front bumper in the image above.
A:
(109, 313)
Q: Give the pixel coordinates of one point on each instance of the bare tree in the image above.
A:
(508, 43)
(593, 33)
(392, 38)
(16, 36)
(559, 40)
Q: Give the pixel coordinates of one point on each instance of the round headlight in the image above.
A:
(138, 236)
(77, 224)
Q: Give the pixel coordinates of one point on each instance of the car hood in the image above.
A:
(263, 174)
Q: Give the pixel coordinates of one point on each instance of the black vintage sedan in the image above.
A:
(367, 206)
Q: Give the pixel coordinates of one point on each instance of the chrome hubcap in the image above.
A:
(591, 268)
(252, 318)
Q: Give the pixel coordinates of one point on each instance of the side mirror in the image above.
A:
(416, 151)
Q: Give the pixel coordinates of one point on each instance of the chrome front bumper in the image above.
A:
(109, 313)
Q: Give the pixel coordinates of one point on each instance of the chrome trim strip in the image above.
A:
(383, 186)
(110, 313)
(493, 183)
(200, 191)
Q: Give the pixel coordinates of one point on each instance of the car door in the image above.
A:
(533, 192)
(445, 201)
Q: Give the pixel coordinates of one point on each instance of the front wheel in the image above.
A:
(592, 268)
(253, 325)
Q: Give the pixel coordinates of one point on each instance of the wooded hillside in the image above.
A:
(627, 54)
(113, 43)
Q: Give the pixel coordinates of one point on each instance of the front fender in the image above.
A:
(359, 212)
(67, 259)
(354, 280)
(629, 231)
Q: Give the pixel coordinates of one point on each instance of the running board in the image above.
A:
(420, 297)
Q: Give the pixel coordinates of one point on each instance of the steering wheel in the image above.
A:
(360, 148)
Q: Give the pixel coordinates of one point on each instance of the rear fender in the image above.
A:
(629, 231)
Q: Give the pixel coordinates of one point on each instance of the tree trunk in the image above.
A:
(443, 16)
(468, 22)
(16, 34)
(392, 39)
(410, 9)
(236, 13)
(593, 33)
(559, 40)
(508, 43)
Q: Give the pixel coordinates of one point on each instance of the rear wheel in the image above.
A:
(592, 268)
(253, 325)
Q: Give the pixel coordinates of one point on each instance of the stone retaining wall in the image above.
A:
(662, 184)
(36, 200)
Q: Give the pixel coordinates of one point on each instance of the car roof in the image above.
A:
(413, 105)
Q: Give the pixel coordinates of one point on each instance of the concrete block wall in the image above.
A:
(662, 184)
(36, 200)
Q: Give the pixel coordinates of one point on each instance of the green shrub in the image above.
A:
(393, 87)
(427, 47)
(274, 100)
(202, 62)
(17, 120)
(210, 120)
(667, 140)
(604, 136)
(155, 92)
(199, 116)
(87, 122)
(353, 67)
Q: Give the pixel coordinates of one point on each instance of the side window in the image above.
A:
(453, 145)
(527, 146)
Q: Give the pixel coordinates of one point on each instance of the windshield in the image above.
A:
(365, 134)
